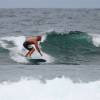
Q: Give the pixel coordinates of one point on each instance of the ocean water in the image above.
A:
(73, 33)
(70, 47)
(56, 82)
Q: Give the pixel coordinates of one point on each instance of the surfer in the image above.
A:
(32, 41)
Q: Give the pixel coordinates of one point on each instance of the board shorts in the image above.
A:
(27, 46)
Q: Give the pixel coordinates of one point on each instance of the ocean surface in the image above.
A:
(72, 35)
(71, 54)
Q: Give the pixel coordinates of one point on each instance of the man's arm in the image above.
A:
(37, 48)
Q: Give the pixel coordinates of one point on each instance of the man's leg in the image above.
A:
(30, 53)
(27, 53)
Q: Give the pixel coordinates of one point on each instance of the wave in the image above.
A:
(69, 42)
(74, 47)
(56, 89)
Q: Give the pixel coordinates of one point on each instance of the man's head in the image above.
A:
(39, 38)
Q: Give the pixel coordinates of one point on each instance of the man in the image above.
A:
(32, 41)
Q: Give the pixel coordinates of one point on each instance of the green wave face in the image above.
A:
(74, 46)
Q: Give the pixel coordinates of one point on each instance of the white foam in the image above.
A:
(16, 50)
(96, 39)
(43, 38)
(14, 54)
(44, 34)
(56, 89)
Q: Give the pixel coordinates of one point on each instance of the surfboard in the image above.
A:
(35, 61)
(34, 58)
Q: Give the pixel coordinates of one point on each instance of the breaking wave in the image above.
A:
(74, 47)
